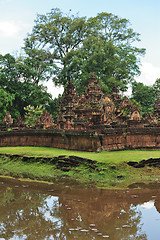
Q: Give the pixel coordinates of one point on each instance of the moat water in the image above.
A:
(40, 211)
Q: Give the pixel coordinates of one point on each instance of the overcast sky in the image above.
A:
(17, 19)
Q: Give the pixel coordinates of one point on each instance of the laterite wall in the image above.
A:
(82, 141)
(131, 138)
(111, 139)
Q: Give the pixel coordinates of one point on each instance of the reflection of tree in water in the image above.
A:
(30, 214)
(107, 216)
(128, 224)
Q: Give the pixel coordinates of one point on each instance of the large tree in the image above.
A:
(144, 95)
(156, 87)
(6, 100)
(18, 82)
(57, 35)
(76, 46)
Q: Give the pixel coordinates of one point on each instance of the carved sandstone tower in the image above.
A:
(66, 112)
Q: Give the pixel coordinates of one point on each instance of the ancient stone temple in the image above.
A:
(83, 111)
(8, 120)
(19, 122)
(68, 103)
(46, 120)
(156, 114)
(94, 110)
(88, 110)
(93, 121)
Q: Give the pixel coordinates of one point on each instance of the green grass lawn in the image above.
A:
(110, 166)
(114, 156)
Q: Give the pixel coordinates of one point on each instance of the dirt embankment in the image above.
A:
(152, 162)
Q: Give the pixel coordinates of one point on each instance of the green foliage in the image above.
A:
(73, 47)
(102, 174)
(33, 114)
(144, 96)
(104, 156)
(132, 100)
(124, 112)
(54, 107)
(6, 100)
(9, 129)
(26, 91)
(36, 65)
(56, 34)
(156, 87)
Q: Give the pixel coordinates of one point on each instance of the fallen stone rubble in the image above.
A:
(151, 162)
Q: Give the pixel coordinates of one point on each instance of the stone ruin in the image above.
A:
(8, 121)
(94, 110)
(45, 121)
(19, 122)
(77, 113)
(156, 114)
(93, 121)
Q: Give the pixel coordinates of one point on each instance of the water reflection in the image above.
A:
(31, 211)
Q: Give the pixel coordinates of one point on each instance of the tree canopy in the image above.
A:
(20, 89)
(6, 100)
(144, 96)
(156, 87)
(62, 47)
(66, 46)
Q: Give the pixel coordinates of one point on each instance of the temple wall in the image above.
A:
(131, 138)
(143, 138)
(114, 139)
(73, 140)
(111, 139)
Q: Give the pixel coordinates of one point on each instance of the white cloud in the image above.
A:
(55, 91)
(149, 73)
(9, 29)
(148, 205)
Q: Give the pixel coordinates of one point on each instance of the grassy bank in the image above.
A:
(109, 171)
(114, 156)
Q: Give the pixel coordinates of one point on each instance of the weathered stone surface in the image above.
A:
(111, 139)
(155, 162)
(73, 140)
(82, 112)
(91, 122)
(19, 122)
(61, 162)
(66, 113)
(94, 110)
(46, 120)
(8, 119)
